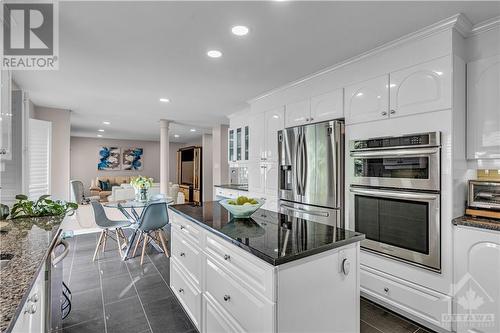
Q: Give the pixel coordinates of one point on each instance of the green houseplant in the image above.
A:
(42, 207)
(141, 185)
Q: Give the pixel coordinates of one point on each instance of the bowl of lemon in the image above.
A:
(242, 207)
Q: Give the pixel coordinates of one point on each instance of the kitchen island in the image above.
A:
(270, 273)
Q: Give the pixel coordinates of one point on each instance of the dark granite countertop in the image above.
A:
(29, 240)
(477, 222)
(273, 237)
(237, 187)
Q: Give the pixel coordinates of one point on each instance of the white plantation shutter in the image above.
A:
(40, 134)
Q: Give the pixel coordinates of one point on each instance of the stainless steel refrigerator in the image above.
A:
(311, 172)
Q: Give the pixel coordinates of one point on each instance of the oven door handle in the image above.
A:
(396, 195)
(396, 152)
(306, 211)
(56, 260)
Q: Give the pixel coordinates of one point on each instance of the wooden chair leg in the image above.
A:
(117, 233)
(144, 244)
(163, 243)
(137, 244)
(124, 237)
(98, 244)
(105, 239)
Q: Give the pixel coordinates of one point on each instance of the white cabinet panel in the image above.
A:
(257, 137)
(216, 319)
(483, 108)
(298, 113)
(274, 122)
(368, 100)
(421, 88)
(188, 256)
(187, 294)
(271, 171)
(256, 178)
(327, 106)
(476, 278)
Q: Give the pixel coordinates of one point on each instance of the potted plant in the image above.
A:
(141, 185)
(42, 212)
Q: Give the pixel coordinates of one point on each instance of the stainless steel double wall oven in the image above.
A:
(395, 196)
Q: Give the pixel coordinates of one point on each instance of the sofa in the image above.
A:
(96, 190)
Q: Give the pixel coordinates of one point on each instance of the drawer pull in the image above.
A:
(227, 257)
(30, 309)
(227, 298)
(181, 290)
(182, 227)
(182, 254)
(386, 290)
(34, 298)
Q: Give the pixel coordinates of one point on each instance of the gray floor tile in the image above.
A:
(385, 320)
(112, 268)
(167, 316)
(126, 316)
(117, 288)
(152, 288)
(136, 269)
(83, 281)
(91, 326)
(86, 305)
(367, 328)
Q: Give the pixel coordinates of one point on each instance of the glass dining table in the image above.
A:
(136, 208)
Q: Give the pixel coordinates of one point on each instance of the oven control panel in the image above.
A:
(426, 139)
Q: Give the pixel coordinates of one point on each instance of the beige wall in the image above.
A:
(84, 156)
(207, 167)
(60, 159)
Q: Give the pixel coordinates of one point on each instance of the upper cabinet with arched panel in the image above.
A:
(367, 100)
(483, 108)
(421, 88)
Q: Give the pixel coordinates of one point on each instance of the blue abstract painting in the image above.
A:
(132, 159)
(109, 158)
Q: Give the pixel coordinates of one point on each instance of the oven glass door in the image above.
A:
(410, 168)
(400, 224)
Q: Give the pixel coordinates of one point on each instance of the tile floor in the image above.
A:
(110, 296)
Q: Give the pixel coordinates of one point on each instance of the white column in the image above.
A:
(164, 155)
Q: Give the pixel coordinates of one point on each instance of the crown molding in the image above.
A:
(485, 26)
(457, 21)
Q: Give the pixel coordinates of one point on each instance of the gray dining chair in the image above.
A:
(151, 222)
(107, 225)
(79, 193)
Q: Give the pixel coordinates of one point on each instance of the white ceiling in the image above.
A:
(118, 58)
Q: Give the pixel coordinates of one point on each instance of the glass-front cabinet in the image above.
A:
(238, 144)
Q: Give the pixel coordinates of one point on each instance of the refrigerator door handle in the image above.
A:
(298, 168)
(306, 211)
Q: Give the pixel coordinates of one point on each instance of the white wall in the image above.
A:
(207, 166)
(84, 156)
(60, 159)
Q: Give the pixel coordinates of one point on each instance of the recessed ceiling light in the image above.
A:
(275, 116)
(100, 130)
(214, 54)
(176, 135)
(106, 123)
(193, 129)
(239, 30)
(165, 100)
(99, 135)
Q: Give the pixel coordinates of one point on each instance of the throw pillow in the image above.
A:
(105, 185)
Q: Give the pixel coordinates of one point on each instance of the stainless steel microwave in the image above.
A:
(410, 162)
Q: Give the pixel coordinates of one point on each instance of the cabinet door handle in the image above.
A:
(384, 113)
(386, 290)
(311, 119)
(34, 298)
(182, 254)
(307, 119)
(181, 290)
(393, 111)
(182, 227)
(30, 308)
(227, 257)
(227, 298)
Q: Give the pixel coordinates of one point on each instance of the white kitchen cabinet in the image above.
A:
(483, 108)
(421, 88)
(5, 115)
(271, 179)
(257, 150)
(274, 122)
(367, 100)
(32, 316)
(256, 178)
(298, 113)
(327, 106)
(476, 278)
